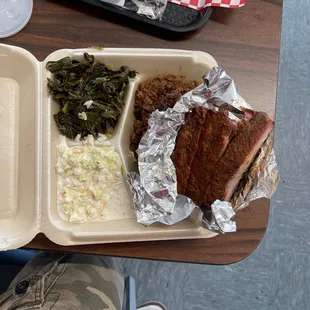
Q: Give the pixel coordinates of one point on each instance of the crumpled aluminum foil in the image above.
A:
(154, 189)
(153, 9)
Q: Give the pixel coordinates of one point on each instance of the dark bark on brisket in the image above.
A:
(187, 145)
(214, 138)
(239, 154)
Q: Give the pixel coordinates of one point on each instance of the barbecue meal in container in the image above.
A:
(209, 150)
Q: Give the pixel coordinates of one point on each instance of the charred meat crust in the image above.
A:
(187, 145)
(213, 153)
(214, 138)
(238, 156)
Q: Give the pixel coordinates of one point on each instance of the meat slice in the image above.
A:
(239, 154)
(187, 145)
(214, 138)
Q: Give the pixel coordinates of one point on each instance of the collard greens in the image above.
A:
(90, 95)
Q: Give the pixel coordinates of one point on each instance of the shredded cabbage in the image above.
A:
(89, 174)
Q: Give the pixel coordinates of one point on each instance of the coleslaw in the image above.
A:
(89, 177)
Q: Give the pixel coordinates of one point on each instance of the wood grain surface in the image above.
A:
(244, 41)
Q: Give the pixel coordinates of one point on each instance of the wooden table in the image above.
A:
(244, 41)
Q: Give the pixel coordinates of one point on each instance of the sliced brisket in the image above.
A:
(187, 145)
(216, 134)
(227, 173)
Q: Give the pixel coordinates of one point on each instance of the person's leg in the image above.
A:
(92, 279)
(67, 282)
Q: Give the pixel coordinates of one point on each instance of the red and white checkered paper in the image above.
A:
(200, 4)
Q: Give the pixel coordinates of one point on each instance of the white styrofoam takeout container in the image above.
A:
(28, 147)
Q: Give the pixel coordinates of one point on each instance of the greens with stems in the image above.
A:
(89, 93)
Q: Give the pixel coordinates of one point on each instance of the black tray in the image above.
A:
(176, 18)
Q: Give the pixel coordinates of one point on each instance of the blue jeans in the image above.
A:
(11, 263)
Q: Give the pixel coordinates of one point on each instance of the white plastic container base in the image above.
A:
(28, 149)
